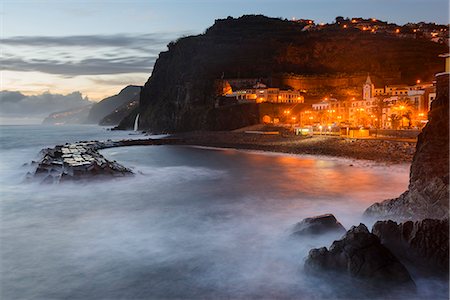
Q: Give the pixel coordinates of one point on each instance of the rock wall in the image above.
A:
(428, 190)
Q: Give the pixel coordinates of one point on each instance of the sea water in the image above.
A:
(192, 223)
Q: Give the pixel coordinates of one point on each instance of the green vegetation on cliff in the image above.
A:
(180, 95)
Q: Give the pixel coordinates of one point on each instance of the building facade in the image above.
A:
(260, 93)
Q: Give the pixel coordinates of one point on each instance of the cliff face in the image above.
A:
(108, 105)
(180, 94)
(428, 191)
(121, 112)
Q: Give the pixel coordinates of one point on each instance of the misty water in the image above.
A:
(193, 222)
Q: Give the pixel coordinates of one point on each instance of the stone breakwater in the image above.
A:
(82, 160)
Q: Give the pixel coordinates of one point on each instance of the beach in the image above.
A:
(391, 151)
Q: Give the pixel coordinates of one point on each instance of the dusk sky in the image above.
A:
(98, 47)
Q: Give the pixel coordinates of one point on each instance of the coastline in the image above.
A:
(82, 160)
(377, 150)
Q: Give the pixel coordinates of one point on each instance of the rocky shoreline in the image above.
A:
(82, 161)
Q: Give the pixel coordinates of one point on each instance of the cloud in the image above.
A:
(84, 54)
(142, 41)
(16, 104)
(90, 66)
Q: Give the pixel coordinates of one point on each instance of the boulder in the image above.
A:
(360, 255)
(319, 225)
(422, 245)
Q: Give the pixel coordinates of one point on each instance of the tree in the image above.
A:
(404, 109)
(395, 121)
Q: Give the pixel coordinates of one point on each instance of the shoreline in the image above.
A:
(348, 160)
(74, 161)
(386, 151)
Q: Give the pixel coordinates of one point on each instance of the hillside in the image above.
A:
(108, 105)
(120, 112)
(72, 116)
(181, 93)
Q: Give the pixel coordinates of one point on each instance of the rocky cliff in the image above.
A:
(180, 95)
(121, 112)
(108, 105)
(428, 191)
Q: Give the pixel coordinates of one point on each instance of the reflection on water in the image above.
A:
(194, 223)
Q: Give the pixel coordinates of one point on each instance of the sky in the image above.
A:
(96, 48)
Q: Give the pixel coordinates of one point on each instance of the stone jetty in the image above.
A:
(82, 161)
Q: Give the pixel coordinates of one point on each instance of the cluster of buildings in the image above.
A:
(260, 93)
(391, 106)
(430, 31)
(399, 106)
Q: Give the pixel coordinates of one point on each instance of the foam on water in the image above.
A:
(192, 223)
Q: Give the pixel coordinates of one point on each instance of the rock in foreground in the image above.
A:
(360, 255)
(77, 161)
(319, 225)
(422, 245)
(80, 161)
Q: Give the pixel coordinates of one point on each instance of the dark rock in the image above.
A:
(422, 246)
(428, 190)
(319, 225)
(360, 255)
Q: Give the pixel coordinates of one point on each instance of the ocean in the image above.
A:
(192, 223)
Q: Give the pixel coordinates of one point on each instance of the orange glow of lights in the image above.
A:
(418, 81)
(397, 30)
(345, 26)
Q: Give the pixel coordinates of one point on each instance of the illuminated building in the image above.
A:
(260, 93)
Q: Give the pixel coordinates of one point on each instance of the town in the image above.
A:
(369, 106)
(430, 31)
